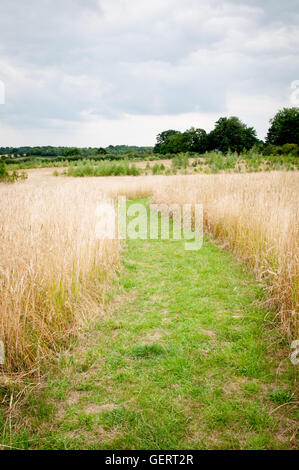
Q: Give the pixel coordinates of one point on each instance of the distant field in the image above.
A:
(186, 163)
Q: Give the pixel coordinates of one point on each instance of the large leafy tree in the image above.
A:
(284, 127)
(231, 133)
(192, 140)
(177, 143)
(196, 140)
(162, 145)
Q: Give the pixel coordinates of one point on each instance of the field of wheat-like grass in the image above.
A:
(53, 269)
(256, 216)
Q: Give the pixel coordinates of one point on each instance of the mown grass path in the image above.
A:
(182, 359)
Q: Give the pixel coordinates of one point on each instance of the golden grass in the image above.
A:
(256, 216)
(53, 270)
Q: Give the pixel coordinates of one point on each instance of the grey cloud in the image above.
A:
(63, 60)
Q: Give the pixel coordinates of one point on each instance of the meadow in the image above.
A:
(72, 304)
(208, 162)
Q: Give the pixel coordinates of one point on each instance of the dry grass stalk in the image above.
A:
(53, 270)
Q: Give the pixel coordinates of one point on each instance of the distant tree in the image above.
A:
(192, 140)
(163, 141)
(72, 152)
(284, 128)
(231, 134)
(101, 151)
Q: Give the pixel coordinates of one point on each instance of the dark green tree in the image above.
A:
(163, 140)
(101, 151)
(284, 127)
(231, 134)
(72, 152)
(197, 140)
(177, 143)
(192, 140)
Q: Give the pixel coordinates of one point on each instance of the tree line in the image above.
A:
(73, 153)
(231, 134)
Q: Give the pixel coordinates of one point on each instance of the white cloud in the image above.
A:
(248, 109)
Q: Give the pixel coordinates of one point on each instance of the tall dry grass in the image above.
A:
(53, 269)
(256, 216)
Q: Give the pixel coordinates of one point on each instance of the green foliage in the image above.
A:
(3, 172)
(231, 160)
(177, 143)
(91, 168)
(156, 169)
(284, 128)
(8, 177)
(192, 140)
(197, 140)
(218, 163)
(162, 145)
(180, 160)
(73, 151)
(35, 157)
(286, 149)
(281, 396)
(147, 350)
(231, 134)
(101, 151)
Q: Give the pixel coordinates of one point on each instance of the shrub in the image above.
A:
(181, 160)
(156, 169)
(10, 177)
(90, 168)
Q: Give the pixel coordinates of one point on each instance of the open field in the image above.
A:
(182, 162)
(173, 346)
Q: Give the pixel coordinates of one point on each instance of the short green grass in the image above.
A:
(182, 359)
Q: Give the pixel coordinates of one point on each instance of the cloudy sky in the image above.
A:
(100, 72)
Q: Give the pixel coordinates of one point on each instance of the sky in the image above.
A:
(91, 73)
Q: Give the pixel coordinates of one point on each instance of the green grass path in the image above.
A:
(182, 359)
